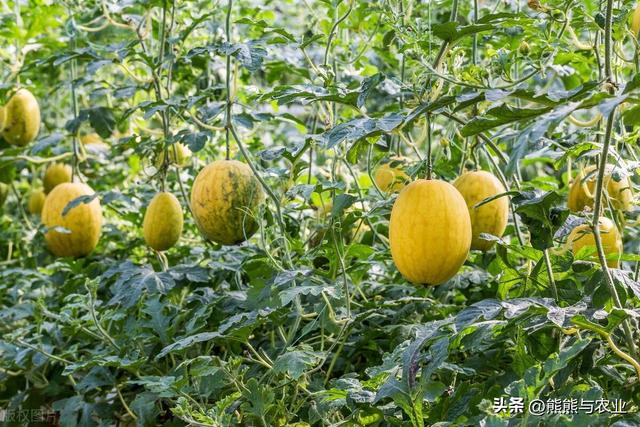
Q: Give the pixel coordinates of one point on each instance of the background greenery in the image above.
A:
(310, 322)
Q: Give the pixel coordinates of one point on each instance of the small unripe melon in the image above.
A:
(163, 222)
(178, 154)
(4, 192)
(36, 202)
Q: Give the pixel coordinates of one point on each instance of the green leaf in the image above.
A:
(259, 399)
(542, 214)
(451, 31)
(295, 362)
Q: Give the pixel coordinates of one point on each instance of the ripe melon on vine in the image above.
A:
(490, 218)
(429, 231)
(163, 222)
(21, 118)
(390, 176)
(36, 202)
(75, 234)
(582, 236)
(56, 174)
(225, 198)
(582, 191)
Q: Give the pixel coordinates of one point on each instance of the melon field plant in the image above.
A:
(319, 213)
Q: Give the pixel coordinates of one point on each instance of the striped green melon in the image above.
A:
(225, 198)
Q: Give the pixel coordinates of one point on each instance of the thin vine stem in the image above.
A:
(552, 281)
(74, 105)
(445, 44)
(429, 156)
(597, 207)
(227, 126)
(600, 181)
(332, 33)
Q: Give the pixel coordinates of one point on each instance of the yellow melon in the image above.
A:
(36, 201)
(390, 176)
(429, 231)
(163, 222)
(56, 174)
(224, 199)
(582, 191)
(77, 233)
(490, 218)
(22, 118)
(582, 236)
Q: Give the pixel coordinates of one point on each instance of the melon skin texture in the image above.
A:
(582, 191)
(224, 199)
(163, 222)
(83, 222)
(429, 232)
(582, 236)
(36, 202)
(21, 119)
(56, 174)
(390, 177)
(490, 218)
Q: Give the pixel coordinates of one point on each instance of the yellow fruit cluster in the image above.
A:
(70, 232)
(617, 189)
(434, 224)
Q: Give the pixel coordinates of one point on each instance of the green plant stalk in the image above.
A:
(360, 194)
(600, 181)
(124, 403)
(17, 65)
(332, 33)
(608, 42)
(39, 350)
(343, 268)
(504, 181)
(74, 100)
(94, 316)
(370, 172)
(23, 212)
(445, 44)
(429, 159)
(552, 281)
(623, 355)
(596, 231)
(228, 81)
(267, 189)
(402, 76)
